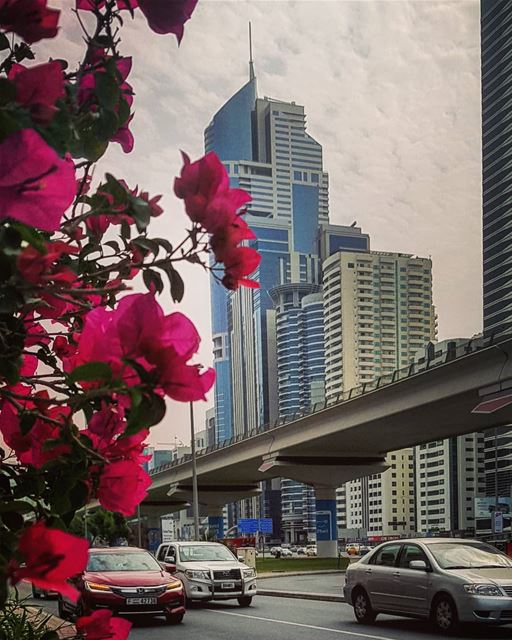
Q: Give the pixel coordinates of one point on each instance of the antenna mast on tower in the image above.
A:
(251, 62)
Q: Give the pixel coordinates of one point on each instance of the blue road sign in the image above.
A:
(248, 525)
(265, 525)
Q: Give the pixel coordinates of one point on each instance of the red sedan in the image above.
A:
(128, 581)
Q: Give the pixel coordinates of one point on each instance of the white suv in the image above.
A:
(209, 571)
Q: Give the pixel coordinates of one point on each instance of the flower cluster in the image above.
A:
(212, 204)
(87, 367)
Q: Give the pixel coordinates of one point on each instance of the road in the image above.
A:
(286, 619)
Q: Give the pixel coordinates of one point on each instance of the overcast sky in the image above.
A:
(391, 90)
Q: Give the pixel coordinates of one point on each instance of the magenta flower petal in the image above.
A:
(36, 184)
(168, 16)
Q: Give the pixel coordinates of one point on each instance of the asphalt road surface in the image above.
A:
(288, 619)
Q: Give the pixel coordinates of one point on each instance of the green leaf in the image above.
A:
(8, 125)
(153, 280)
(175, 282)
(149, 412)
(107, 90)
(123, 111)
(146, 243)
(19, 506)
(141, 212)
(91, 371)
(107, 124)
(163, 242)
(32, 236)
(4, 42)
(115, 188)
(7, 90)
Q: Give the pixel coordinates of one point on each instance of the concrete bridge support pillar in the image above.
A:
(216, 521)
(326, 528)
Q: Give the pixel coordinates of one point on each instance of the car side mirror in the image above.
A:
(169, 566)
(241, 559)
(419, 565)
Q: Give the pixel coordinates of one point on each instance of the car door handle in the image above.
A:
(368, 571)
(396, 574)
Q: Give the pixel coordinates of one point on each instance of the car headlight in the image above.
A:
(93, 586)
(197, 575)
(173, 586)
(483, 590)
(249, 573)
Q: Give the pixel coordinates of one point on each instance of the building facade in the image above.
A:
(496, 53)
(378, 314)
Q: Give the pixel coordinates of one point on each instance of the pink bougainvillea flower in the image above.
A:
(29, 19)
(35, 333)
(36, 185)
(240, 262)
(226, 238)
(168, 17)
(50, 557)
(138, 329)
(122, 486)
(124, 137)
(101, 625)
(201, 184)
(38, 88)
(41, 268)
(30, 448)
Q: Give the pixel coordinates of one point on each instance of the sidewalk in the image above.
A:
(64, 629)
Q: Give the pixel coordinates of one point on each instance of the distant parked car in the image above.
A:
(311, 550)
(293, 548)
(301, 551)
(286, 553)
(445, 579)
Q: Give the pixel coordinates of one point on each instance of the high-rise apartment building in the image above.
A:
(496, 52)
(378, 314)
(299, 322)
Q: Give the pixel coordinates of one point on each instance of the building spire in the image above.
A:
(251, 63)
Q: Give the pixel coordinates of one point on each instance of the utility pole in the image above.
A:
(195, 498)
(139, 526)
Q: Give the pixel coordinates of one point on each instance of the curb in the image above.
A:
(324, 597)
(285, 574)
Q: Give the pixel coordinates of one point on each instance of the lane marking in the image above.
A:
(306, 626)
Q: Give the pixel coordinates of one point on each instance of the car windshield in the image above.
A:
(122, 561)
(458, 555)
(206, 553)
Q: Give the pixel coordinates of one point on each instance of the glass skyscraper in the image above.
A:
(496, 51)
(496, 43)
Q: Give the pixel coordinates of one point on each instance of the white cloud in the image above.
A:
(391, 91)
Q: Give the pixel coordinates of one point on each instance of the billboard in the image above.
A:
(485, 507)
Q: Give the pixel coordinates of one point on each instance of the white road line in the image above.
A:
(366, 636)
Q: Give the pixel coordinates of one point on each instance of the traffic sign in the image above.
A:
(255, 525)
(248, 525)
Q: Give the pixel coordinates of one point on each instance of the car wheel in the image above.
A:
(363, 610)
(36, 593)
(245, 601)
(170, 619)
(444, 615)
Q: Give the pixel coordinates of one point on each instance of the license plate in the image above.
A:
(228, 586)
(141, 600)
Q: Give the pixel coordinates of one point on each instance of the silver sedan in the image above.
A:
(444, 579)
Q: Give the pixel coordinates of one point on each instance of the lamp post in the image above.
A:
(195, 499)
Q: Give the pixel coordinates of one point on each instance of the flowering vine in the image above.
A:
(86, 365)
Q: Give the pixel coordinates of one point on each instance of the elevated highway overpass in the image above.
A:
(349, 437)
